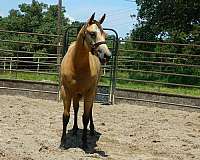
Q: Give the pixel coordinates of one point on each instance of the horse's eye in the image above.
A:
(93, 34)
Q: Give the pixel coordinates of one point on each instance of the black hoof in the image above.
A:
(63, 141)
(62, 146)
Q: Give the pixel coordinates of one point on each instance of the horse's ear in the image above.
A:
(102, 19)
(91, 19)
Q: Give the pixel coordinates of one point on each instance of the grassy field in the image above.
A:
(105, 81)
(29, 76)
(160, 88)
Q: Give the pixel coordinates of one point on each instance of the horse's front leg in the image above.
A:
(76, 108)
(88, 103)
(66, 115)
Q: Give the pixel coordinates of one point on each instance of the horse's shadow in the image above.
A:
(75, 141)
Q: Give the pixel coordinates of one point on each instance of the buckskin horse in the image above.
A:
(80, 73)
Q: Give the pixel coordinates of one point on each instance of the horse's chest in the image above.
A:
(83, 83)
(85, 79)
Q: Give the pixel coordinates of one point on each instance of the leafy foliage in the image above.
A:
(37, 18)
(177, 19)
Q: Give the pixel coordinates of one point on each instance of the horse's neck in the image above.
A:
(81, 54)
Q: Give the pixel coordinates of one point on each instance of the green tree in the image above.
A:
(35, 17)
(177, 19)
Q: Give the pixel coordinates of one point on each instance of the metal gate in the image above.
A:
(106, 87)
(29, 64)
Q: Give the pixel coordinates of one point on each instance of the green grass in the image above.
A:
(160, 88)
(106, 81)
(29, 76)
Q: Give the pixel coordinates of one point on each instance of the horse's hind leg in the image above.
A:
(91, 123)
(76, 108)
(66, 114)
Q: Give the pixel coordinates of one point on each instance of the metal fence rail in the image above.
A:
(138, 66)
(29, 56)
(156, 69)
(21, 59)
(160, 43)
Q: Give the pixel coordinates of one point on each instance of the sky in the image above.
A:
(117, 11)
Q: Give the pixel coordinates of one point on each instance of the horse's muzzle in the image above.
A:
(104, 58)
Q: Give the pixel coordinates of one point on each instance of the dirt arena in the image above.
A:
(30, 129)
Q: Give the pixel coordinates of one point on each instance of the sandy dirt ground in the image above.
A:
(30, 129)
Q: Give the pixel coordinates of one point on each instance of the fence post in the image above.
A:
(114, 70)
(4, 64)
(59, 24)
(10, 65)
(104, 71)
(16, 66)
(38, 65)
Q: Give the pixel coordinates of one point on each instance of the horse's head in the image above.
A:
(94, 38)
